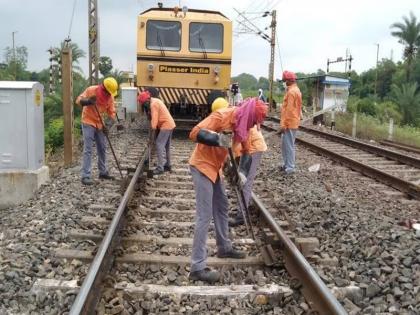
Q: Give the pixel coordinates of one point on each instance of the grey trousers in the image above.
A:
(247, 189)
(163, 148)
(288, 149)
(91, 134)
(211, 202)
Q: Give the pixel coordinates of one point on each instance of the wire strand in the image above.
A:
(278, 48)
(72, 17)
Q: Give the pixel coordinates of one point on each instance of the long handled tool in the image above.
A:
(109, 141)
(150, 153)
(245, 211)
(266, 251)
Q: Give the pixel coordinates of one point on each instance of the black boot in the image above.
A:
(206, 275)
(238, 220)
(87, 181)
(157, 171)
(106, 176)
(167, 168)
(233, 253)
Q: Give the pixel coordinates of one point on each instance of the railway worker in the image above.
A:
(102, 97)
(206, 164)
(160, 118)
(257, 146)
(261, 95)
(289, 120)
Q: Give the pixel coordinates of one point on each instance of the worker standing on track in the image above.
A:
(261, 95)
(101, 96)
(289, 121)
(160, 119)
(206, 164)
(257, 146)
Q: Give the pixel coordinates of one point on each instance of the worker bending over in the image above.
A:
(102, 97)
(206, 164)
(160, 119)
(289, 121)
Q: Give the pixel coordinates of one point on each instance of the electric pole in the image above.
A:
(376, 74)
(14, 54)
(271, 69)
(93, 42)
(251, 28)
(67, 80)
(348, 59)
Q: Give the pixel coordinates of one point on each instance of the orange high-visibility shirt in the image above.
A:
(255, 141)
(89, 114)
(291, 108)
(207, 159)
(161, 118)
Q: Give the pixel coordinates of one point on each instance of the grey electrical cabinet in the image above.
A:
(21, 125)
(129, 99)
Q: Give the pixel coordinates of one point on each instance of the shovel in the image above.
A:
(149, 152)
(266, 251)
(109, 141)
(245, 212)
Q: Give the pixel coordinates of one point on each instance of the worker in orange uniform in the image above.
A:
(257, 146)
(206, 164)
(101, 96)
(290, 120)
(160, 118)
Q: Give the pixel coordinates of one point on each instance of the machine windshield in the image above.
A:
(163, 35)
(206, 38)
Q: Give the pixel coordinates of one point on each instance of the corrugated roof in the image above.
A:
(17, 84)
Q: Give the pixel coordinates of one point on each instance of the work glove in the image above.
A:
(88, 101)
(244, 167)
(242, 179)
(105, 130)
(152, 137)
(214, 139)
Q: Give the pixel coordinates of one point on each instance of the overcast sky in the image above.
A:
(308, 31)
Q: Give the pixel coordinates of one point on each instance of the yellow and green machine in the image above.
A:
(186, 55)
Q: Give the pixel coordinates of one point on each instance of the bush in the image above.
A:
(54, 134)
(369, 128)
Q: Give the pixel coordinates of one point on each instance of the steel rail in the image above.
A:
(90, 291)
(388, 179)
(316, 293)
(402, 146)
(409, 160)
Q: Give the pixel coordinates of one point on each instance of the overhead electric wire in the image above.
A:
(71, 19)
(278, 48)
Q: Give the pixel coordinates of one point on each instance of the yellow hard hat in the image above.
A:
(111, 86)
(219, 103)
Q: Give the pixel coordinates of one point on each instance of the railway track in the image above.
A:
(401, 146)
(139, 256)
(397, 170)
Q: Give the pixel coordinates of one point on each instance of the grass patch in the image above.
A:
(370, 128)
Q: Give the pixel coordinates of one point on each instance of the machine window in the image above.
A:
(163, 35)
(206, 37)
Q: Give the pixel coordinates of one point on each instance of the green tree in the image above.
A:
(105, 65)
(408, 100)
(76, 54)
(386, 70)
(408, 34)
(367, 106)
(16, 62)
(246, 81)
(387, 110)
(264, 84)
(117, 75)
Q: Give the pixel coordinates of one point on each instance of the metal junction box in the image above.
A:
(129, 99)
(21, 125)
